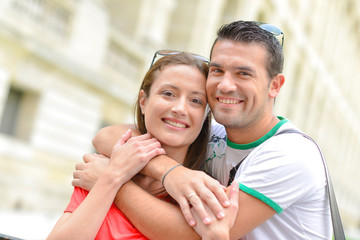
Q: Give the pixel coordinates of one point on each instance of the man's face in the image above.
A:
(238, 84)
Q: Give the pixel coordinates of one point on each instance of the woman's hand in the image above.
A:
(86, 173)
(130, 154)
(128, 157)
(219, 229)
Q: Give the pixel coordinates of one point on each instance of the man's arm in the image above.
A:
(252, 212)
(155, 218)
(209, 190)
(161, 220)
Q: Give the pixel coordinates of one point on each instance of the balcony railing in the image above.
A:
(49, 15)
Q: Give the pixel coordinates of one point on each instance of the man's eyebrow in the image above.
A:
(244, 68)
(239, 68)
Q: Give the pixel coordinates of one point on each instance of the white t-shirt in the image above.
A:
(284, 171)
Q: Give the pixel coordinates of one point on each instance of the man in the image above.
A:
(281, 176)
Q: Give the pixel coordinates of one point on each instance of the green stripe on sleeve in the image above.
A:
(261, 197)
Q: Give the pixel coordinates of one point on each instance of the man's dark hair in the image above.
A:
(248, 32)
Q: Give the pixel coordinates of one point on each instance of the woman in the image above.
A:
(171, 109)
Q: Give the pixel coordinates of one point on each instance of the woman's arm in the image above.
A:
(86, 220)
(155, 218)
(183, 181)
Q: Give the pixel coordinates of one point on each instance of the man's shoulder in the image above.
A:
(217, 134)
(217, 128)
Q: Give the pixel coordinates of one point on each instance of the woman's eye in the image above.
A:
(167, 93)
(197, 101)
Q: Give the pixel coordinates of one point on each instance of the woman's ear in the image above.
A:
(142, 100)
(275, 85)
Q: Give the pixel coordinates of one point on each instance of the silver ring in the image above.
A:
(191, 195)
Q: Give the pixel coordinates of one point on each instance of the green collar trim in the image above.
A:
(262, 139)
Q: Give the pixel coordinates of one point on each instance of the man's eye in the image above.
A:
(215, 70)
(244, 73)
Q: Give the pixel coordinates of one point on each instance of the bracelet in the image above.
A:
(162, 181)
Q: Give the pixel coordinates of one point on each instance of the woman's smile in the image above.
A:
(179, 125)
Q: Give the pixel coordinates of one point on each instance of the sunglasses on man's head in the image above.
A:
(272, 29)
(174, 52)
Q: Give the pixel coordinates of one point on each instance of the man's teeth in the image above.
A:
(229, 101)
(176, 124)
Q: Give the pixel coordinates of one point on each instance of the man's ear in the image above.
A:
(142, 100)
(275, 85)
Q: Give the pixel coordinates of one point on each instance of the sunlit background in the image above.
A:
(70, 67)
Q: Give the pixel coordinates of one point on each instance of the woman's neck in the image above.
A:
(176, 153)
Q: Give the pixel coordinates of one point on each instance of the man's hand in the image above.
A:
(192, 187)
(219, 229)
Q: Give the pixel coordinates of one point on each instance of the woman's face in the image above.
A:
(175, 108)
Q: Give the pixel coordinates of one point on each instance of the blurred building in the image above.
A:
(69, 67)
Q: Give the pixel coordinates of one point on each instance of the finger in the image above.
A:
(150, 145)
(123, 138)
(200, 209)
(75, 182)
(76, 175)
(185, 209)
(210, 199)
(141, 137)
(87, 157)
(157, 151)
(220, 192)
(80, 166)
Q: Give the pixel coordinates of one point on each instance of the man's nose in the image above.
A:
(227, 84)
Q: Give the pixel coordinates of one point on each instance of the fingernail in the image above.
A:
(221, 215)
(207, 220)
(192, 223)
(226, 203)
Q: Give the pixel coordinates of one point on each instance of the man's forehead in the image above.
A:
(227, 51)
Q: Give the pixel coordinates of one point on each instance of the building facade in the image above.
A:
(70, 67)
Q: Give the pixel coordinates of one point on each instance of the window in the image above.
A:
(17, 118)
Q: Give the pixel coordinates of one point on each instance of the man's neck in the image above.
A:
(251, 133)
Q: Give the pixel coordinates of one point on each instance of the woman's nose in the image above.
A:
(180, 106)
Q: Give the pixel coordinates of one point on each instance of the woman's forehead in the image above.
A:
(183, 75)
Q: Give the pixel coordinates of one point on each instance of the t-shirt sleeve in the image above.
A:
(282, 174)
(77, 197)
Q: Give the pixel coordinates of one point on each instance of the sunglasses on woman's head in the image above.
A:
(174, 52)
